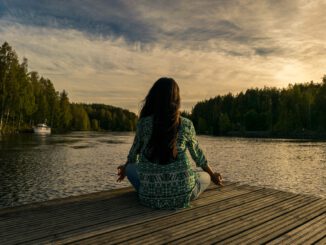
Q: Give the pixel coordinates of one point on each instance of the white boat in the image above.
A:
(42, 128)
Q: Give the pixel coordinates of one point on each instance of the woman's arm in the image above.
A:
(196, 152)
(133, 153)
(136, 146)
(198, 155)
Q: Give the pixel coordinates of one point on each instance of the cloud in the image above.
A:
(106, 18)
(106, 52)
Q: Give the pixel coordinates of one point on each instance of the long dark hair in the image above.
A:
(163, 103)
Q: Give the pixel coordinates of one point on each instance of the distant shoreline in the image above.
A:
(270, 135)
(56, 131)
(234, 134)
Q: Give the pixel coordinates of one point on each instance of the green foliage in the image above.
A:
(65, 117)
(202, 125)
(106, 117)
(224, 123)
(27, 99)
(80, 119)
(95, 125)
(296, 109)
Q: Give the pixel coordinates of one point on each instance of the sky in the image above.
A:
(112, 52)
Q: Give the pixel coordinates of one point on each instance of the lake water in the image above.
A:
(38, 168)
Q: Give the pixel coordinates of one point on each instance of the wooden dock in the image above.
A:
(234, 214)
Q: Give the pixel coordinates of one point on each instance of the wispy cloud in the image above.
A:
(103, 18)
(112, 51)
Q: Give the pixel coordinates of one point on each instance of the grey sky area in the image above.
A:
(112, 51)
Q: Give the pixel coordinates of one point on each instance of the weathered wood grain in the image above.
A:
(234, 214)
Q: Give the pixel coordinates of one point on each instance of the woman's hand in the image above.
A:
(217, 179)
(121, 173)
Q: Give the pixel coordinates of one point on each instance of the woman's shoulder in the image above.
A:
(186, 122)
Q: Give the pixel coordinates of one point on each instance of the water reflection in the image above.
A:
(280, 164)
(36, 168)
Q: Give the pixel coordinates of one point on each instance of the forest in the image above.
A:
(26, 98)
(296, 111)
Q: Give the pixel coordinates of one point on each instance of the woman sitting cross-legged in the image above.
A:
(157, 165)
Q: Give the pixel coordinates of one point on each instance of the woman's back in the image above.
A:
(169, 185)
(157, 165)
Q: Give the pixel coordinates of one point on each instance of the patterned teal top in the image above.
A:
(166, 186)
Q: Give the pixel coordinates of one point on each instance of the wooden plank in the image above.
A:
(180, 217)
(233, 226)
(60, 210)
(114, 206)
(317, 233)
(151, 216)
(322, 241)
(232, 214)
(123, 201)
(10, 219)
(314, 228)
(32, 230)
(219, 230)
(198, 222)
(68, 200)
(279, 225)
(45, 229)
(216, 197)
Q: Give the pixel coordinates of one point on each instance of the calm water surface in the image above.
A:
(35, 168)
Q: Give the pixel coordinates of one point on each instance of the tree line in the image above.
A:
(26, 98)
(296, 110)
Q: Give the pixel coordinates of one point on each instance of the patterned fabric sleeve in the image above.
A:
(195, 151)
(136, 146)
